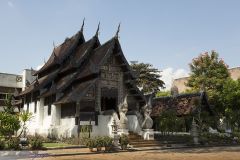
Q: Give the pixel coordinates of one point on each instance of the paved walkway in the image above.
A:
(217, 153)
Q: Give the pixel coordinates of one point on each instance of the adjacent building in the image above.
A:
(180, 83)
(12, 84)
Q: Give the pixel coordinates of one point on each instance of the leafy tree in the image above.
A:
(9, 123)
(229, 98)
(163, 93)
(148, 77)
(168, 121)
(209, 73)
(24, 117)
(9, 108)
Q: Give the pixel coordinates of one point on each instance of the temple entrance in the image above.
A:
(109, 99)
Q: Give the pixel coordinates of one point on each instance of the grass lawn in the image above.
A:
(53, 145)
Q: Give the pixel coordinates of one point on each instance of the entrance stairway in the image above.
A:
(137, 141)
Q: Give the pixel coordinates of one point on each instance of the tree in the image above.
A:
(168, 121)
(24, 117)
(9, 123)
(163, 93)
(229, 98)
(9, 108)
(148, 77)
(209, 73)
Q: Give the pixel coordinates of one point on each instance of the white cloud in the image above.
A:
(169, 74)
(39, 67)
(10, 4)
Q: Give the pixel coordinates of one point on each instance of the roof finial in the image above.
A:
(82, 25)
(118, 30)
(97, 32)
(54, 46)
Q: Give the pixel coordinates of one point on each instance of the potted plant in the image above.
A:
(90, 143)
(99, 143)
(124, 141)
(107, 143)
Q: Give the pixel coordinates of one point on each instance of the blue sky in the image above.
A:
(167, 33)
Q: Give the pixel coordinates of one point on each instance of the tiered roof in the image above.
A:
(74, 66)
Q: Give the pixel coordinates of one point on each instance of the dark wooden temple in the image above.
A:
(85, 78)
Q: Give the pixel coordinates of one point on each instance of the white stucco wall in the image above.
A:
(104, 126)
(43, 124)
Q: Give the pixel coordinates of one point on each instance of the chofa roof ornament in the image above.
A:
(97, 32)
(82, 25)
(118, 30)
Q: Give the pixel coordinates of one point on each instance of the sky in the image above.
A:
(165, 33)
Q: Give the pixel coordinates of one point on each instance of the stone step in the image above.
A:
(145, 142)
(146, 145)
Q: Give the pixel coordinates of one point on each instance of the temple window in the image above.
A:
(35, 106)
(68, 110)
(49, 109)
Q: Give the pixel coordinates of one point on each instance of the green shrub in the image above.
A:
(90, 143)
(99, 141)
(13, 143)
(124, 141)
(2, 145)
(36, 142)
(107, 141)
(72, 140)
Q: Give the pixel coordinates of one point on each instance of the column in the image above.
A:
(41, 111)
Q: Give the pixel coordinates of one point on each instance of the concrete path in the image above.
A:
(230, 152)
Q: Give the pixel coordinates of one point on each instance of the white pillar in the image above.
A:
(55, 115)
(41, 111)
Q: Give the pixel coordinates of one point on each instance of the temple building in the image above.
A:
(85, 82)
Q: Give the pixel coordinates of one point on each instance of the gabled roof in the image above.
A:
(74, 66)
(76, 93)
(61, 52)
(83, 52)
(183, 104)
